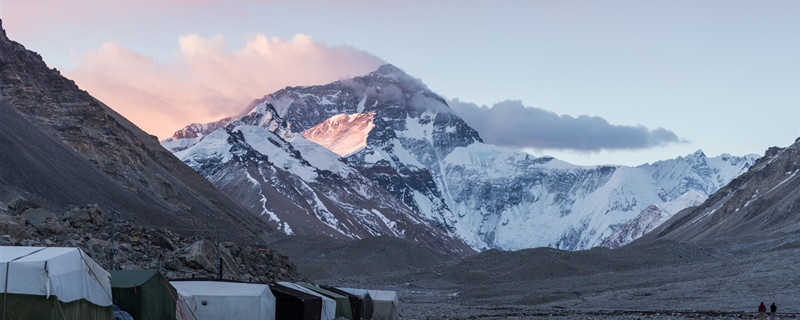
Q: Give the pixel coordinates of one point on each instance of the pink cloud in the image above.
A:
(206, 79)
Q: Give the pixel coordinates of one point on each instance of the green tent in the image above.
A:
(361, 305)
(342, 303)
(144, 294)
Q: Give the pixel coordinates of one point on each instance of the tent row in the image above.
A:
(303, 301)
(64, 283)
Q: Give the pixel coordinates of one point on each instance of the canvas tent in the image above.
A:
(342, 302)
(295, 305)
(53, 283)
(361, 306)
(224, 300)
(328, 304)
(384, 302)
(144, 294)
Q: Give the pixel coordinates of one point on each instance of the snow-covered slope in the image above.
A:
(650, 218)
(696, 172)
(301, 187)
(343, 133)
(430, 160)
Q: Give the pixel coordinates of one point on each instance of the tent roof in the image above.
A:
(383, 295)
(324, 292)
(32, 253)
(292, 292)
(67, 273)
(131, 278)
(218, 288)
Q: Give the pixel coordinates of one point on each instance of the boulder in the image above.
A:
(51, 226)
(13, 227)
(164, 242)
(203, 255)
(19, 205)
(37, 216)
(200, 255)
(97, 248)
(81, 216)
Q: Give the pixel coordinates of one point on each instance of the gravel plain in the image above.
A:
(661, 280)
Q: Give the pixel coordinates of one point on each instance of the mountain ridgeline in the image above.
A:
(403, 143)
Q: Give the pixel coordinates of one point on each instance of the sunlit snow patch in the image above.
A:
(342, 133)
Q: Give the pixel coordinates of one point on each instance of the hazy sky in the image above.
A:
(721, 76)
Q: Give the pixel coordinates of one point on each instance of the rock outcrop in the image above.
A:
(90, 228)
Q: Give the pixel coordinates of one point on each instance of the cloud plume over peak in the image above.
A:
(512, 124)
(207, 79)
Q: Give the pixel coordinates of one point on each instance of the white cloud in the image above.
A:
(206, 79)
(512, 124)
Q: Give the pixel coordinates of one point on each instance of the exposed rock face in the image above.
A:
(763, 202)
(60, 147)
(178, 256)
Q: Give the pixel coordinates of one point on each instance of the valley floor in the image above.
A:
(436, 311)
(662, 280)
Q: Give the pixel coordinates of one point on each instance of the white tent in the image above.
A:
(32, 275)
(384, 302)
(328, 304)
(224, 300)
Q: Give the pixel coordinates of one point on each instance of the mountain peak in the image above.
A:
(698, 154)
(390, 69)
(388, 73)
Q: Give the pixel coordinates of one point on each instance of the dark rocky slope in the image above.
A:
(62, 147)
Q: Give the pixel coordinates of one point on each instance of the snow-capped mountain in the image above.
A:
(687, 182)
(413, 129)
(650, 218)
(299, 186)
(760, 203)
(436, 165)
(489, 196)
(696, 172)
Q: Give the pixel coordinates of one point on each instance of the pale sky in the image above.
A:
(723, 76)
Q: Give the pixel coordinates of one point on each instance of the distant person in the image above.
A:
(772, 309)
(762, 310)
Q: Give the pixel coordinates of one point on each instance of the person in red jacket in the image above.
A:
(762, 310)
